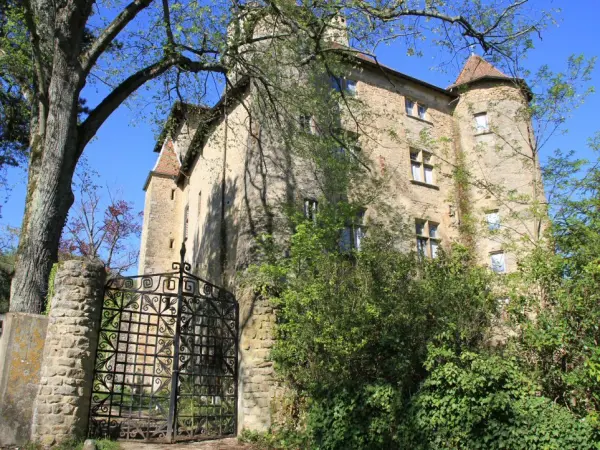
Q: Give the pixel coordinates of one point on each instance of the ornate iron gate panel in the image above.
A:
(166, 364)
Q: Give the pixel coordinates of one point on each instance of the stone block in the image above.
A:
(21, 349)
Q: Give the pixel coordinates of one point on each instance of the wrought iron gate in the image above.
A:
(166, 364)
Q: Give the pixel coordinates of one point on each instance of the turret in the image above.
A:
(162, 229)
(493, 133)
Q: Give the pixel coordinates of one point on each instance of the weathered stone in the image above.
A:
(89, 444)
(69, 353)
(21, 349)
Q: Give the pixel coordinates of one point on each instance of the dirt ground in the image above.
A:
(218, 444)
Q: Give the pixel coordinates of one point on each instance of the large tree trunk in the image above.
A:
(49, 202)
(54, 156)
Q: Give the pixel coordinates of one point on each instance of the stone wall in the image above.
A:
(21, 347)
(257, 383)
(62, 405)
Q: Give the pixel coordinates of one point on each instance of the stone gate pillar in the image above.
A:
(62, 405)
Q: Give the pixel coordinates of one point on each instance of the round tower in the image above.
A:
(495, 147)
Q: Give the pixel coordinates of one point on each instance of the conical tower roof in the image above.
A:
(477, 68)
(168, 162)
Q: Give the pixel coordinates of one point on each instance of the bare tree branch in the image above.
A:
(90, 57)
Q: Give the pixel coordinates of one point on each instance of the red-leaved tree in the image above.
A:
(96, 228)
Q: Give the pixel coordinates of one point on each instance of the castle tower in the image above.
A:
(161, 236)
(496, 147)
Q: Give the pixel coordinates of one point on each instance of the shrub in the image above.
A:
(486, 401)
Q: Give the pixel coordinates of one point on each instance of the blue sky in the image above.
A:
(122, 150)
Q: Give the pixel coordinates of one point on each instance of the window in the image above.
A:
(348, 146)
(346, 85)
(305, 121)
(493, 220)
(421, 110)
(172, 194)
(428, 239)
(421, 166)
(310, 209)
(186, 216)
(353, 235)
(410, 106)
(171, 243)
(481, 123)
(351, 87)
(497, 262)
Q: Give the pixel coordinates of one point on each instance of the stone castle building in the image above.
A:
(214, 185)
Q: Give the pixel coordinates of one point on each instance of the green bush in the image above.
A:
(387, 350)
(486, 401)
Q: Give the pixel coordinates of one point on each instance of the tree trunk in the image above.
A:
(49, 190)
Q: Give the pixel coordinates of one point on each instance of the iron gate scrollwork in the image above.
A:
(166, 363)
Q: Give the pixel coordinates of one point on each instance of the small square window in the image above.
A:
(481, 122)
(498, 262)
(410, 106)
(352, 236)
(421, 167)
(428, 241)
(420, 227)
(433, 230)
(186, 217)
(415, 169)
(305, 122)
(422, 112)
(493, 220)
(351, 87)
(310, 209)
(428, 171)
(336, 83)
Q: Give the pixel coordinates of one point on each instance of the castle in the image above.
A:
(214, 185)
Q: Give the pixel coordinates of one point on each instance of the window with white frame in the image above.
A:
(352, 235)
(345, 85)
(428, 238)
(310, 209)
(481, 122)
(422, 111)
(493, 220)
(498, 262)
(421, 166)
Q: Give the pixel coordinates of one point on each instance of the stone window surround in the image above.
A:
(498, 252)
(422, 165)
(426, 239)
(416, 106)
(482, 131)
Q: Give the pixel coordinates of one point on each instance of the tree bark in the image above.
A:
(54, 156)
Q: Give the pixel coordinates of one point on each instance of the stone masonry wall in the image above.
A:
(62, 405)
(257, 383)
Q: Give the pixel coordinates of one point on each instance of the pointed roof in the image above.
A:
(168, 162)
(477, 68)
